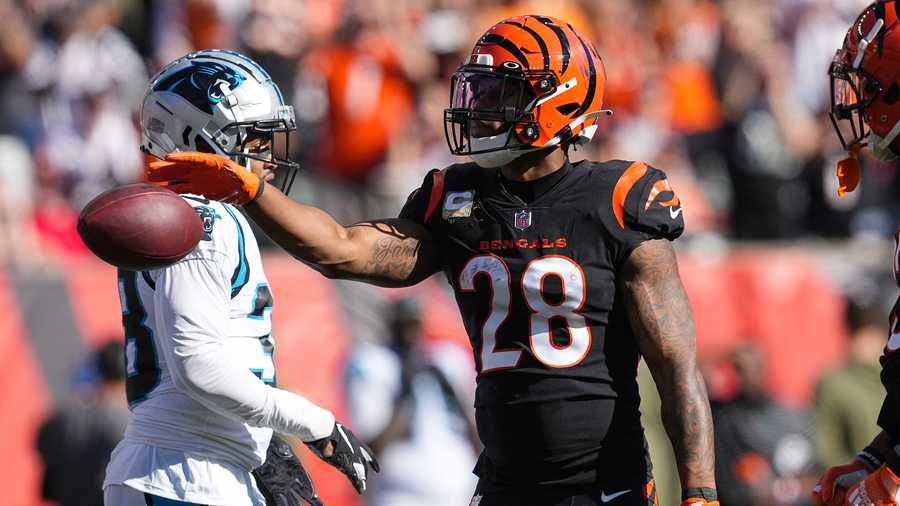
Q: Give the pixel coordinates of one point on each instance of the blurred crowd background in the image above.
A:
(791, 285)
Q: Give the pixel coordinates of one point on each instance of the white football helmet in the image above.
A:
(217, 101)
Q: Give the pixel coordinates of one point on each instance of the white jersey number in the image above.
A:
(541, 341)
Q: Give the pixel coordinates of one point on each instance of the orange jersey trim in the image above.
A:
(662, 186)
(623, 186)
(437, 189)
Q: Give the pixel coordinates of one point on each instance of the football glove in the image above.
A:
(213, 176)
(881, 488)
(348, 455)
(697, 501)
(836, 478)
(282, 479)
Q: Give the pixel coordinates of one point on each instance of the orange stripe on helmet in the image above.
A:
(623, 186)
(560, 36)
(437, 190)
(508, 45)
(545, 55)
(592, 74)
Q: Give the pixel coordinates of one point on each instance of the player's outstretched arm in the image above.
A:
(660, 314)
(390, 252)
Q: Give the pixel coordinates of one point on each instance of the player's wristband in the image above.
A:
(871, 458)
(705, 493)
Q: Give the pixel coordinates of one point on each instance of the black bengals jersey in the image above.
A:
(536, 286)
(889, 418)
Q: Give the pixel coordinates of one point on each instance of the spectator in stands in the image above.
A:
(764, 452)
(409, 401)
(90, 143)
(75, 442)
(19, 246)
(848, 399)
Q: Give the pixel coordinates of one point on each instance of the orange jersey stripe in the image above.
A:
(437, 190)
(623, 186)
(662, 186)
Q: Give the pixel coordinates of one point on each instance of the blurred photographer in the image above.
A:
(76, 440)
(406, 399)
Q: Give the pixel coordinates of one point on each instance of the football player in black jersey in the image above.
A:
(563, 272)
(865, 112)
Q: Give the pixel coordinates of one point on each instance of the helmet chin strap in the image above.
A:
(500, 157)
(881, 147)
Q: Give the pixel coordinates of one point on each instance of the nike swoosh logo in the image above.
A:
(674, 212)
(606, 498)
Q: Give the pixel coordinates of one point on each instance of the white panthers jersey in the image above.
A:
(182, 323)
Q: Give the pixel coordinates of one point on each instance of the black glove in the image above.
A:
(282, 479)
(349, 455)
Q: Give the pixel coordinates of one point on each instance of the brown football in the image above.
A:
(140, 227)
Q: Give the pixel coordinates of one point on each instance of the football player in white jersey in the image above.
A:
(199, 344)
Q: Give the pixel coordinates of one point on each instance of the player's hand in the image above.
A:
(697, 501)
(342, 450)
(282, 479)
(213, 176)
(836, 479)
(881, 488)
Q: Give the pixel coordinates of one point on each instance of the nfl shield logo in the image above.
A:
(523, 220)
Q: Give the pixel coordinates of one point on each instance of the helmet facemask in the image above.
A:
(852, 91)
(275, 134)
(490, 117)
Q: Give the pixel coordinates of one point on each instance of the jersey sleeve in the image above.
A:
(644, 207)
(192, 299)
(424, 201)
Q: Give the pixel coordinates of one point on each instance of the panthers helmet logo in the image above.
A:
(200, 83)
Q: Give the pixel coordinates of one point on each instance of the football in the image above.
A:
(139, 227)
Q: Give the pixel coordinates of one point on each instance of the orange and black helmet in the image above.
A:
(865, 87)
(531, 82)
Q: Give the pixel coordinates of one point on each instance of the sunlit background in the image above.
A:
(790, 285)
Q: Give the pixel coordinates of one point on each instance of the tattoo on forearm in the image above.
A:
(401, 254)
(688, 421)
(661, 316)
